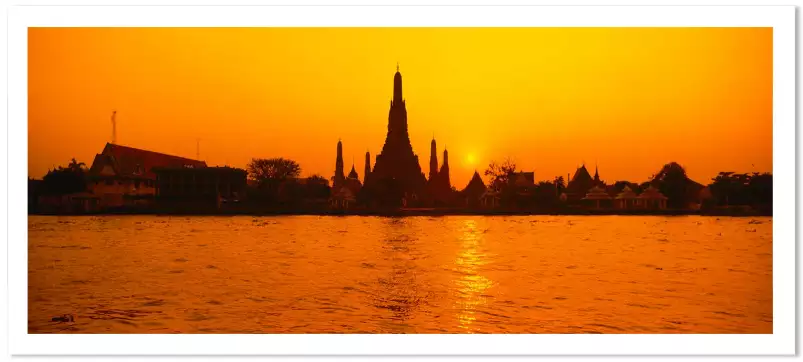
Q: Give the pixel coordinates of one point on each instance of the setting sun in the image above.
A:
(399, 180)
(570, 94)
(471, 160)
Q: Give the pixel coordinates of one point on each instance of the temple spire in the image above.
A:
(433, 161)
(443, 174)
(397, 86)
(367, 166)
(339, 175)
(596, 173)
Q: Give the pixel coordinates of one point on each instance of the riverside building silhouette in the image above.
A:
(396, 178)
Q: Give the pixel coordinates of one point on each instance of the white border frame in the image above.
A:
(781, 18)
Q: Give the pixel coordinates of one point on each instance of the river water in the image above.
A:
(460, 274)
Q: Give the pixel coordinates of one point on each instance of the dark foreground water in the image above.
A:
(323, 274)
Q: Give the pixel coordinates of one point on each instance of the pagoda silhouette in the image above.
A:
(396, 179)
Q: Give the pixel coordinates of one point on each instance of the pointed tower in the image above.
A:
(443, 177)
(353, 174)
(473, 191)
(396, 166)
(433, 161)
(337, 181)
(367, 166)
(596, 175)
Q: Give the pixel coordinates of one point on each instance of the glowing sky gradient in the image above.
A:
(628, 99)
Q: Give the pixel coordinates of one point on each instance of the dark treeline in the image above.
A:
(65, 180)
(735, 189)
(728, 189)
(274, 183)
(58, 182)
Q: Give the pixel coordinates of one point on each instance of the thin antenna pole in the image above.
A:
(114, 127)
(198, 149)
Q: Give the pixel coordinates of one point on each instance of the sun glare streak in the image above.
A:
(472, 285)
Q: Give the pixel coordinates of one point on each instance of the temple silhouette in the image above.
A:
(396, 178)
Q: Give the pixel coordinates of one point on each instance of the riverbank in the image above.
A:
(424, 212)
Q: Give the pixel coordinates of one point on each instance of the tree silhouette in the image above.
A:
(760, 189)
(735, 189)
(75, 165)
(499, 173)
(269, 175)
(560, 184)
(671, 180)
(545, 193)
(65, 180)
(317, 187)
(266, 171)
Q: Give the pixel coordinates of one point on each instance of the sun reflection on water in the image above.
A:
(472, 285)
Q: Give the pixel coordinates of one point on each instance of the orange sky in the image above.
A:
(629, 99)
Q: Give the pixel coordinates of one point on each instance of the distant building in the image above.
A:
(367, 166)
(522, 182)
(205, 186)
(626, 199)
(652, 199)
(444, 180)
(597, 197)
(345, 188)
(433, 161)
(439, 183)
(597, 181)
(76, 203)
(343, 199)
(353, 181)
(339, 177)
(396, 176)
(490, 199)
(124, 176)
(472, 193)
(579, 185)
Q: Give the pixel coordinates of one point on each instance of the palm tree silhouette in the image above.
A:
(75, 165)
(560, 184)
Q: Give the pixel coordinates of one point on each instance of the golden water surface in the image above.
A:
(460, 274)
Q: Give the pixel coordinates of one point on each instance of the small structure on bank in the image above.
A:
(199, 187)
(652, 199)
(626, 199)
(490, 198)
(343, 199)
(124, 176)
(344, 195)
(473, 192)
(353, 181)
(598, 197)
(522, 182)
(578, 185)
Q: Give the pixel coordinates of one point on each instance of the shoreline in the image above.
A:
(421, 212)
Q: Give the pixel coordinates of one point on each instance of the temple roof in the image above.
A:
(597, 193)
(523, 178)
(134, 162)
(627, 193)
(581, 174)
(344, 194)
(353, 173)
(475, 186)
(652, 193)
